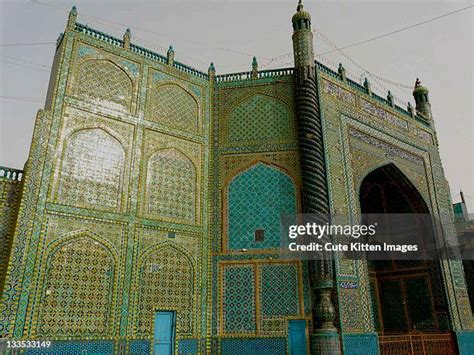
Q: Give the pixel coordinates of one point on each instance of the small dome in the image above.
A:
(420, 89)
(301, 15)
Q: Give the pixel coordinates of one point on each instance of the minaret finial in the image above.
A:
(300, 5)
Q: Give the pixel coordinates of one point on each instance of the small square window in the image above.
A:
(259, 235)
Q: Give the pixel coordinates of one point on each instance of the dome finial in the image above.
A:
(300, 5)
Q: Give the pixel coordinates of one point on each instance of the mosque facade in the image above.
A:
(147, 217)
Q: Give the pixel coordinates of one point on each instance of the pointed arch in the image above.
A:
(82, 233)
(390, 175)
(402, 291)
(256, 199)
(103, 79)
(166, 281)
(91, 173)
(171, 185)
(173, 105)
(78, 287)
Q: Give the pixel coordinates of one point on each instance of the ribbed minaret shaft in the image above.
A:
(313, 168)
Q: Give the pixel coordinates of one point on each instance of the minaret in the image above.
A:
(302, 38)
(423, 106)
(313, 173)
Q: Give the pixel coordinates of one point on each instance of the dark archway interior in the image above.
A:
(407, 295)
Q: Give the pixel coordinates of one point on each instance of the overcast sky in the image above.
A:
(229, 33)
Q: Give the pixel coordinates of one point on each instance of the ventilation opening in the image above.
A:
(259, 235)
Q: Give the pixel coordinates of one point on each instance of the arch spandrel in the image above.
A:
(363, 163)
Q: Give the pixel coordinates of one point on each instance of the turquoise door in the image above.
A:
(297, 337)
(164, 333)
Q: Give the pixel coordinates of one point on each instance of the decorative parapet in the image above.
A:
(104, 37)
(251, 75)
(11, 174)
(101, 36)
(365, 90)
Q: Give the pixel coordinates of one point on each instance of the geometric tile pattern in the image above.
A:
(261, 346)
(171, 185)
(92, 170)
(363, 343)
(257, 198)
(260, 118)
(10, 193)
(239, 299)
(375, 306)
(244, 310)
(166, 282)
(77, 295)
(140, 347)
(279, 291)
(350, 316)
(187, 346)
(103, 80)
(174, 107)
(256, 128)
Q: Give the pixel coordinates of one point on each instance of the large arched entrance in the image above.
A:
(408, 296)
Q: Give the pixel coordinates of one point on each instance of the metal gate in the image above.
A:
(417, 344)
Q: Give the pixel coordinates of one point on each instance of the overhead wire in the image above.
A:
(26, 44)
(21, 98)
(22, 60)
(399, 30)
(373, 75)
(143, 29)
(25, 66)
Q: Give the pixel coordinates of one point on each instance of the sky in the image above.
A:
(230, 33)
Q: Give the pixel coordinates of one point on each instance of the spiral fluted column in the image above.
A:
(315, 199)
